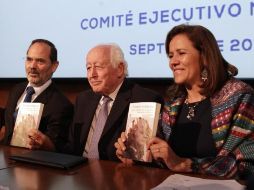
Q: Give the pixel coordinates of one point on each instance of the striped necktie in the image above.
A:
(99, 126)
(29, 93)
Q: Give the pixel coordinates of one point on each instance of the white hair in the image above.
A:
(116, 56)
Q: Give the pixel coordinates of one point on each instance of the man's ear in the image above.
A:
(120, 69)
(54, 66)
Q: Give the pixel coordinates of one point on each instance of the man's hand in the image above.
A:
(37, 140)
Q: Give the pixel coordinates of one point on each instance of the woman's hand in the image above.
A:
(161, 150)
(120, 148)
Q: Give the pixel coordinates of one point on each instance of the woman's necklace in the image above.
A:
(191, 108)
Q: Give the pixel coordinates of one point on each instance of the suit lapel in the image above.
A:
(86, 117)
(14, 100)
(44, 97)
(119, 106)
(17, 94)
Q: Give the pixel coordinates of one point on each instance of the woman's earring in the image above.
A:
(204, 75)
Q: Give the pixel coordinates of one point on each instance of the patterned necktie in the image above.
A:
(29, 93)
(99, 126)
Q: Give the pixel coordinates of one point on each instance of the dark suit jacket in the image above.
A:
(56, 117)
(84, 111)
(2, 117)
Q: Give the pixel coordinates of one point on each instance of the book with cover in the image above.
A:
(141, 126)
(29, 116)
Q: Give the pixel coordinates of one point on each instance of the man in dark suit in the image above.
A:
(2, 129)
(41, 62)
(106, 72)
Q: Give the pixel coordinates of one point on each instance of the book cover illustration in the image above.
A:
(141, 126)
(29, 116)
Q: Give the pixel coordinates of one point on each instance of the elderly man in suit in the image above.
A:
(41, 62)
(106, 73)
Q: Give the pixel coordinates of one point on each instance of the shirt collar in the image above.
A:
(113, 94)
(40, 89)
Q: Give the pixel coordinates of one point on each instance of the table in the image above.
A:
(96, 174)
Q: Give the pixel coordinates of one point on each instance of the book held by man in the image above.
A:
(29, 116)
(141, 126)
